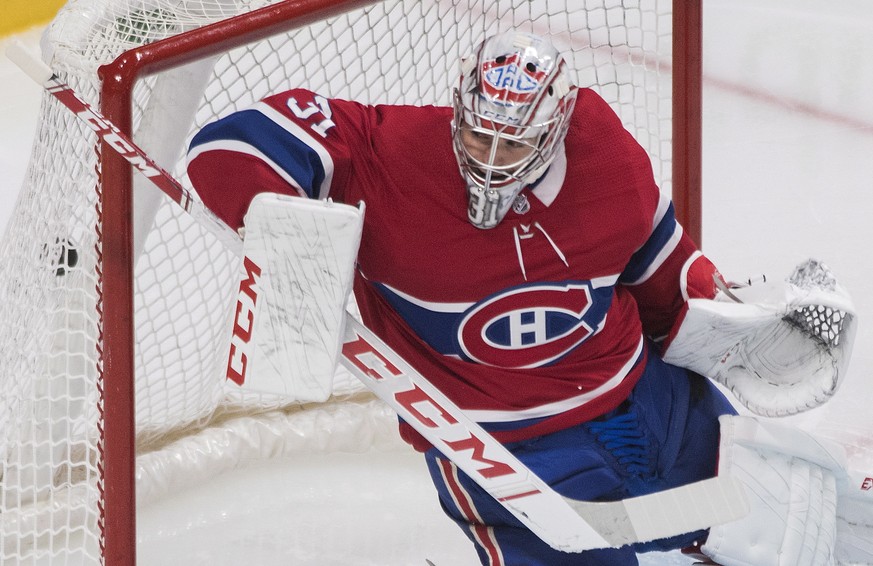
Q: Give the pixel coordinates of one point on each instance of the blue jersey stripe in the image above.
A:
(289, 153)
(646, 255)
(438, 329)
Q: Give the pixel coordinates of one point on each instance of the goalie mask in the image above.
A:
(511, 112)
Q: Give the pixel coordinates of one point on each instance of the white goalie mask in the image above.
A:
(511, 112)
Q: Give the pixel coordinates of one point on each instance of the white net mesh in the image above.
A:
(391, 52)
(822, 322)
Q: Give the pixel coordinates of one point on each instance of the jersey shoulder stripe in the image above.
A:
(243, 148)
(664, 238)
(263, 132)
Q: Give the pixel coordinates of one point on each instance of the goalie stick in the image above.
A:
(565, 524)
(120, 142)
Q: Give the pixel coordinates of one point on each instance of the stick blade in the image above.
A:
(693, 507)
(663, 514)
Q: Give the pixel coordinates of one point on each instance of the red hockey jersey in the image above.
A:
(532, 326)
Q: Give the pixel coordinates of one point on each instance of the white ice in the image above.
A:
(788, 140)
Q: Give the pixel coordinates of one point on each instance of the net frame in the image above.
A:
(118, 79)
(116, 103)
(119, 247)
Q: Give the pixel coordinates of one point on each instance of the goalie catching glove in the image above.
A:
(779, 348)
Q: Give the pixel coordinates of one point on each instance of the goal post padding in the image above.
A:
(116, 303)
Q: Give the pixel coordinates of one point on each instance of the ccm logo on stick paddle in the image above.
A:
(420, 406)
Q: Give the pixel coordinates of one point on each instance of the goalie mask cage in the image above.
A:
(115, 304)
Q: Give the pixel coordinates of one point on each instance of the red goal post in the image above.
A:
(137, 322)
(687, 127)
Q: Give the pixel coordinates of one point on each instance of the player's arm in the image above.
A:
(780, 347)
(245, 168)
(287, 144)
(667, 271)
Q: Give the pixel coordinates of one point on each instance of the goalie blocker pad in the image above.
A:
(779, 348)
(295, 278)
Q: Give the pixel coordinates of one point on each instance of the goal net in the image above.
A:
(115, 308)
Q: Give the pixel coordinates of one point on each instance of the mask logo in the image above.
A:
(510, 82)
(532, 325)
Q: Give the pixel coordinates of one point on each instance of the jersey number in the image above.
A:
(481, 209)
(318, 106)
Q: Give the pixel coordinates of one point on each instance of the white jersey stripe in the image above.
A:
(662, 256)
(483, 535)
(563, 405)
(596, 283)
(247, 149)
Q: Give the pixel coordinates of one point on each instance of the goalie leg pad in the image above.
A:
(854, 529)
(792, 482)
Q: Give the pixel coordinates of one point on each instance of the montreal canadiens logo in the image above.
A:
(529, 326)
(507, 80)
